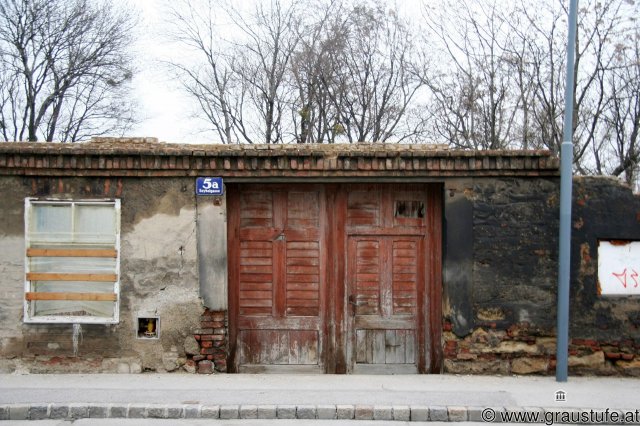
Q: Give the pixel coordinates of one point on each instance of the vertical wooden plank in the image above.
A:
(350, 283)
(386, 278)
(331, 348)
(379, 349)
(369, 337)
(434, 278)
(279, 255)
(252, 354)
(390, 356)
(283, 346)
(233, 260)
(401, 350)
(410, 352)
(361, 346)
(323, 334)
(310, 348)
(387, 204)
(294, 347)
(242, 348)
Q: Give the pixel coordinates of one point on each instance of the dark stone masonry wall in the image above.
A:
(511, 319)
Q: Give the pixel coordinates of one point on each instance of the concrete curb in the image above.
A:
(387, 413)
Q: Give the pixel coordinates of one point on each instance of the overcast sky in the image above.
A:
(164, 112)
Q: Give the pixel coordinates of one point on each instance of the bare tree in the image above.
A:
(265, 56)
(312, 70)
(301, 71)
(239, 77)
(597, 86)
(375, 77)
(64, 69)
(210, 81)
(619, 150)
(476, 94)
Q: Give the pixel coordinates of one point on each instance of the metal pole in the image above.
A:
(566, 183)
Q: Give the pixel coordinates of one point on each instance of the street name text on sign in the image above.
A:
(209, 186)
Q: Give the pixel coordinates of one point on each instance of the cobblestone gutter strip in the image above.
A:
(387, 413)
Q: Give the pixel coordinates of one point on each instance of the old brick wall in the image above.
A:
(158, 277)
(213, 345)
(509, 324)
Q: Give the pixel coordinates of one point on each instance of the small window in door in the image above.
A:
(409, 209)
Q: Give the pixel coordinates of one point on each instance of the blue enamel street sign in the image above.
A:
(209, 186)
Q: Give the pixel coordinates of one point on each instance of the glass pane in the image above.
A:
(72, 307)
(95, 224)
(71, 287)
(51, 223)
(79, 265)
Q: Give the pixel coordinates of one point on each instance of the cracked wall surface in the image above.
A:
(158, 278)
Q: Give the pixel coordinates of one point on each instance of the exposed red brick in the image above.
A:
(205, 367)
(584, 342)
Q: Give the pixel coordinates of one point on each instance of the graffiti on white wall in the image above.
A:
(619, 267)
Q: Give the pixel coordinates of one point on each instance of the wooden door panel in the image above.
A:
(383, 275)
(375, 277)
(385, 346)
(278, 347)
(363, 207)
(256, 209)
(302, 210)
(365, 297)
(386, 228)
(279, 297)
(256, 278)
(405, 276)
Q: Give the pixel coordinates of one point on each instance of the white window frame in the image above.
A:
(40, 319)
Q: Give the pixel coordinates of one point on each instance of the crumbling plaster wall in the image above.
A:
(500, 317)
(158, 277)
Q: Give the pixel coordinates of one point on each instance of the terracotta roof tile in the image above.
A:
(147, 156)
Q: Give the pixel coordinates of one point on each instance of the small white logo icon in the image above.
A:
(561, 396)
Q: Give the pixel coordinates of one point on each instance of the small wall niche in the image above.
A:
(148, 327)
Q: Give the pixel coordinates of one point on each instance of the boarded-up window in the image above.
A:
(72, 261)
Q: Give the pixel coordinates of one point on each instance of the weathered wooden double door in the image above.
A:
(334, 278)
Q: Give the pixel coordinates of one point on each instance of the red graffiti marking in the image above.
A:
(622, 277)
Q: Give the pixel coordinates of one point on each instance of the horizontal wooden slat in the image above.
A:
(93, 297)
(39, 252)
(271, 323)
(42, 276)
(376, 322)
